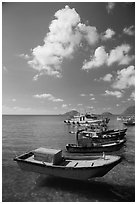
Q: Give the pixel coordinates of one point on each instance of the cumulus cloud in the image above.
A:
(97, 60)
(110, 6)
(89, 33)
(129, 31)
(118, 94)
(66, 32)
(108, 34)
(50, 97)
(120, 54)
(107, 77)
(125, 78)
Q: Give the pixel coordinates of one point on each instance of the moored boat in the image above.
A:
(51, 162)
(87, 136)
(119, 118)
(129, 122)
(100, 131)
(96, 147)
(86, 119)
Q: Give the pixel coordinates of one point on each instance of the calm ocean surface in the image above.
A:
(24, 133)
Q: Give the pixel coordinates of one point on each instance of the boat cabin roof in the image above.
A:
(43, 150)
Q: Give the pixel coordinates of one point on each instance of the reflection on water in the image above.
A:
(23, 133)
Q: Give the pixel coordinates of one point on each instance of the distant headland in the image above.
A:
(127, 112)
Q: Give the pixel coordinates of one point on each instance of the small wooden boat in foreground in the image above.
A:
(51, 162)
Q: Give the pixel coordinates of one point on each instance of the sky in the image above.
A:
(61, 56)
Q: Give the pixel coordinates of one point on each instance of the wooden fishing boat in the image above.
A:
(96, 147)
(87, 136)
(51, 162)
(102, 129)
(114, 131)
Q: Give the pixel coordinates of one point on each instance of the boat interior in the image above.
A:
(30, 158)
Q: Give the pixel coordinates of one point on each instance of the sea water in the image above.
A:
(24, 133)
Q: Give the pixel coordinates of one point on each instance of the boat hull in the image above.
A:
(71, 173)
(129, 123)
(100, 168)
(108, 138)
(95, 149)
(115, 132)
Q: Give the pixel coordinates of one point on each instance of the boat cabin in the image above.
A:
(51, 156)
(85, 138)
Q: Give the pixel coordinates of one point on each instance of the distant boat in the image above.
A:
(85, 119)
(96, 147)
(129, 122)
(119, 118)
(51, 162)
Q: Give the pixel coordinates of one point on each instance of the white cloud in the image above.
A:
(118, 94)
(64, 105)
(82, 94)
(50, 97)
(125, 78)
(120, 55)
(101, 57)
(59, 43)
(92, 99)
(109, 33)
(36, 77)
(110, 6)
(89, 33)
(65, 35)
(24, 56)
(130, 30)
(107, 77)
(97, 60)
